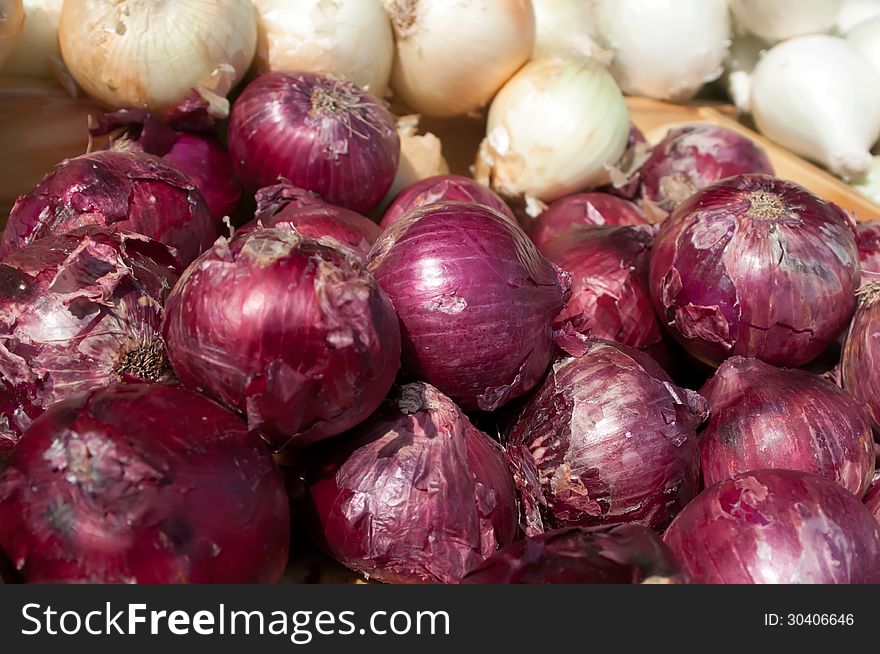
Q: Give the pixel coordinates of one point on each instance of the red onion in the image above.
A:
(77, 311)
(609, 272)
(625, 180)
(209, 166)
(695, 156)
(323, 134)
(444, 188)
(860, 360)
(607, 438)
(755, 266)
(868, 241)
(476, 301)
(135, 192)
(872, 498)
(142, 483)
(415, 494)
(628, 554)
(767, 417)
(292, 332)
(272, 199)
(777, 526)
(583, 209)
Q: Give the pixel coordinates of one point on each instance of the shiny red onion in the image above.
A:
(323, 134)
(124, 190)
(768, 417)
(609, 273)
(607, 438)
(444, 188)
(290, 331)
(77, 311)
(209, 166)
(272, 199)
(860, 360)
(476, 301)
(695, 156)
(777, 527)
(628, 554)
(583, 209)
(872, 498)
(143, 483)
(416, 494)
(755, 266)
(868, 241)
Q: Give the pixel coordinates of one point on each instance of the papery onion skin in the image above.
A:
(443, 188)
(692, 157)
(767, 417)
(143, 483)
(209, 166)
(292, 332)
(416, 494)
(607, 438)
(860, 360)
(868, 241)
(78, 311)
(123, 190)
(628, 554)
(779, 527)
(872, 499)
(583, 209)
(11, 26)
(610, 298)
(323, 134)
(778, 20)
(755, 266)
(476, 301)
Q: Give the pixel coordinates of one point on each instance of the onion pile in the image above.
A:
(78, 311)
(475, 298)
(323, 134)
(290, 331)
(860, 360)
(755, 266)
(606, 438)
(777, 526)
(582, 209)
(416, 494)
(766, 417)
(629, 554)
(143, 483)
(135, 192)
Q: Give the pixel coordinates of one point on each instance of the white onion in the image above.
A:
(869, 184)
(453, 55)
(555, 128)
(346, 38)
(777, 20)
(665, 49)
(11, 25)
(149, 53)
(37, 53)
(745, 52)
(865, 37)
(853, 12)
(818, 97)
(566, 27)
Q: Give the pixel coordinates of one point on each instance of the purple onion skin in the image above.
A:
(610, 298)
(444, 188)
(325, 135)
(607, 438)
(628, 554)
(78, 311)
(583, 209)
(208, 164)
(631, 187)
(697, 156)
(860, 360)
(868, 240)
(323, 221)
(476, 301)
(135, 192)
(768, 417)
(416, 494)
(872, 499)
(755, 266)
(291, 332)
(777, 527)
(143, 483)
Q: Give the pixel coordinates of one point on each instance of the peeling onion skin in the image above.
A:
(443, 188)
(610, 298)
(79, 311)
(777, 527)
(290, 331)
(755, 266)
(860, 360)
(323, 134)
(475, 298)
(143, 483)
(583, 209)
(868, 240)
(607, 438)
(693, 157)
(767, 417)
(416, 494)
(135, 192)
(628, 554)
